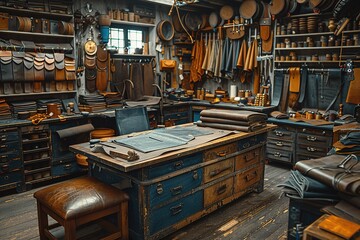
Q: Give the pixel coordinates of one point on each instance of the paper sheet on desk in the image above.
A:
(216, 133)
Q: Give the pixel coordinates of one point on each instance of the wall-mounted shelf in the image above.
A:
(36, 94)
(316, 48)
(140, 24)
(39, 14)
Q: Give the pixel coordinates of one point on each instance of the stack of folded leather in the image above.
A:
(5, 112)
(42, 103)
(240, 120)
(92, 103)
(28, 106)
(112, 99)
(348, 144)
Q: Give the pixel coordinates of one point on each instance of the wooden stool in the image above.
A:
(79, 201)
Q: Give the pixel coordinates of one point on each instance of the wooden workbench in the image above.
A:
(172, 190)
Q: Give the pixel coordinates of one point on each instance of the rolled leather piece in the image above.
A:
(63, 27)
(227, 121)
(241, 115)
(4, 21)
(251, 128)
(73, 131)
(27, 24)
(278, 7)
(340, 172)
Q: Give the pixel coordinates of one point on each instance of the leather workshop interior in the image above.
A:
(135, 119)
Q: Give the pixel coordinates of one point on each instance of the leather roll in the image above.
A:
(45, 26)
(165, 30)
(4, 21)
(63, 27)
(102, 133)
(27, 24)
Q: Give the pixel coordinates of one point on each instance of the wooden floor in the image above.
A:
(255, 216)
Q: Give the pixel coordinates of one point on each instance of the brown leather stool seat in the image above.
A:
(78, 201)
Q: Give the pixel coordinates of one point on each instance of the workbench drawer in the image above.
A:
(165, 216)
(313, 150)
(217, 170)
(218, 191)
(10, 165)
(280, 144)
(282, 133)
(174, 165)
(9, 135)
(248, 178)
(247, 159)
(221, 151)
(62, 168)
(313, 140)
(251, 141)
(9, 146)
(11, 177)
(165, 190)
(279, 155)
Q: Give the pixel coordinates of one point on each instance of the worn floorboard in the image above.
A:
(254, 216)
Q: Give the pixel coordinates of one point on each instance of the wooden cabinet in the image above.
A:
(291, 142)
(168, 195)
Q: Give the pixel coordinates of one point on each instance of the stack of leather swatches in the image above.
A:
(241, 120)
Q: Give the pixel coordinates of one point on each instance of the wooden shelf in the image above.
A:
(317, 48)
(36, 94)
(47, 35)
(305, 34)
(139, 24)
(40, 14)
(319, 61)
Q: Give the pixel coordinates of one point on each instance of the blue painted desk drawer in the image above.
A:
(163, 191)
(10, 165)
(9, 146)
(174, 165)
(251, 141)
(11, 177)
(9, 136)
(65, 168)
(172, 213)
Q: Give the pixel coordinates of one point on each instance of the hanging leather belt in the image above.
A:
(278, 88)
(304, 76)
(285, 93)
(294, 87)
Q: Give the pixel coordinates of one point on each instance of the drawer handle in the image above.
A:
(246, 145)
(221, 154)
(311, 138)
(249, 157)
(221, 189)
(176, 190)
(6, 177)
(311, 149)
(280, 134)
(176, 209)
(195, 175)
(277, 154)
(178, 165)
(5, 167)
(67, 167)
(251, 176)
(218, 171)
(279, 143)
(3, 146)
(159, 189)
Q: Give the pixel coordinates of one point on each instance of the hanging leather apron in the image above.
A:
(101, 64)
(353, 95)
(304, 76)
(90, 79)
(285, 93)
(49, 72)
(18, 71)
(137, 79)
(148, 79)
(294, 87)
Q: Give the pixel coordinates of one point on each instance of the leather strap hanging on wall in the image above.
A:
(18, 70)
(49, 67)
(136, 77)
(101, 64)
(70, 72)
(304, 76)
(285, 93)
(353, 95)
(39, 71)
(149, 79)
(90, 77)
(59, 66)
(294, 87)
(278, 88)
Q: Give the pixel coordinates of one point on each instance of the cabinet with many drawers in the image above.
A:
(169, 195)
(11, 166)
(293, 142)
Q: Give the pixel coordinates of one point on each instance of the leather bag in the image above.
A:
(59, 66)
(167, 64)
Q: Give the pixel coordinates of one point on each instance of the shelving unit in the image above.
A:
(140, 24)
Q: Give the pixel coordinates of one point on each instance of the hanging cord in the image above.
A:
(181, 23)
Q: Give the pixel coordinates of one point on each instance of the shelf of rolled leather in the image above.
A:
(240, 120)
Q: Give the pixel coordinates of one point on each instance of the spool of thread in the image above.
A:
(233, 91)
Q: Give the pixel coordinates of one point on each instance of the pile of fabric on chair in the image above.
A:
(240, 120)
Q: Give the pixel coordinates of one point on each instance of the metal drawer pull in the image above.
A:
(176, 209)
(246, 145)
(311, 138)
(218, 171)
(67, 167)
(311, 149)
(221, 154)
(176, 190)
(221, 189)
(251, 176)
(178, 164)
(195, 175)
(277, 154)
(3, 146)
(159, 189)
(280, 134)
(279, 143)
